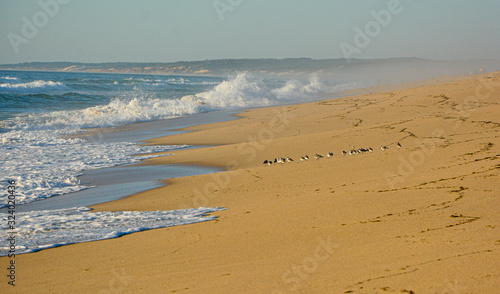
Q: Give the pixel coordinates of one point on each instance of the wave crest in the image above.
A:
(38, 86)
(238, 92)
(9, 78)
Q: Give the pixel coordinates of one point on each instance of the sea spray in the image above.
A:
(245, 90)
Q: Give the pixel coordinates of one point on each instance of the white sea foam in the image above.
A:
(9, 78)
(238, 92)
(121, 111)
(140, 80)
(243, 91)
(38, 86)
(44, 164)
(37, 230)
(183, 81)
(294, 89)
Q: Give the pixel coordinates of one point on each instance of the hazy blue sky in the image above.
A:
(174, 30)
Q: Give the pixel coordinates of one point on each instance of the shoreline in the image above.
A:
(104, 181)
(319, 225)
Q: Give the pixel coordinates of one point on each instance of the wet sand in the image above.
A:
(113, 183)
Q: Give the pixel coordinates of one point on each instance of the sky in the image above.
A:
(185, 30)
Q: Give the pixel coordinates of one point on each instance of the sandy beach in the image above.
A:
(422, 218)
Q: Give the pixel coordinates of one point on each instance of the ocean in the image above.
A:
(40, 111)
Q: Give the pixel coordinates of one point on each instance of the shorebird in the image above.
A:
(383, 148)
(330, 154)
(288, 159)
(266, 161)
(279, 160)
(370, 149)
(344, 152)
(303, 158)
(317, 156)
(399, 145)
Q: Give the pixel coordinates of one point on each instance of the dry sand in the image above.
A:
(420, 219)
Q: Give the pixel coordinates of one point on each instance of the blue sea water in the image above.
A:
(39, 109)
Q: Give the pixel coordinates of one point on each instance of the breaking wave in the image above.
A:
(35, 86)
(239, 92)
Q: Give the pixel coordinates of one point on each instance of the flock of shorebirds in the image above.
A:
(329, 154)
